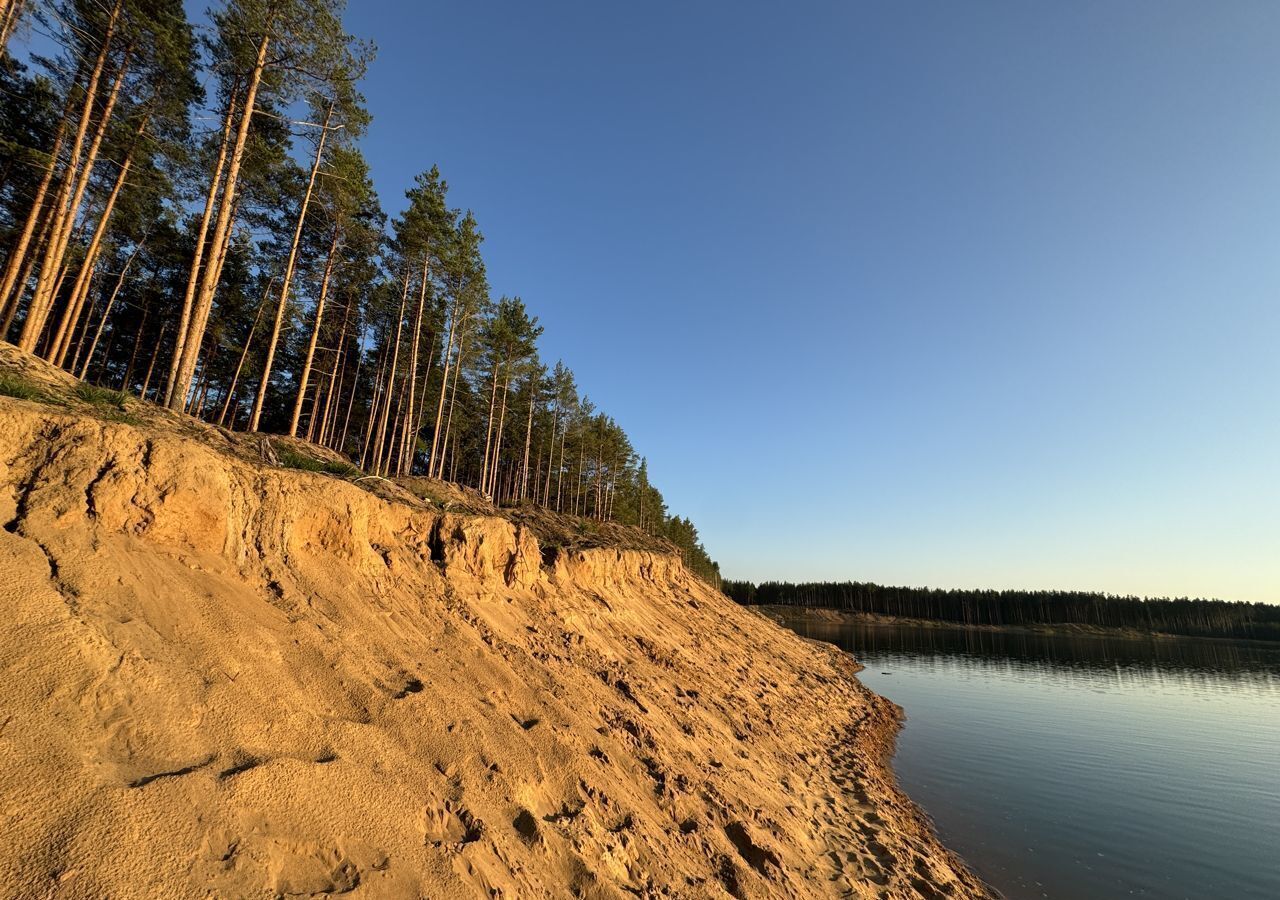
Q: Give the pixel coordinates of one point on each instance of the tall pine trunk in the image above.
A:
(244, 355)
(53, 267)
(202, 237)
(34, 323)
(453, 401)
(444, 384)
(106, 313)
(289, 268)
(137, 346)
(151, 366)
(528, 438)
(305, 377)
(190, 342)
(560, 469)
(336, 376)
(488, 435)
(10, 286)
(408, 431)
(551, 454)
(497, 442)
(62, 337)
(383, 422)
(200, 318)
(375, 402)
(351, 401)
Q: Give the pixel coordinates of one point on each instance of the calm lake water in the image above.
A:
(1085, 768)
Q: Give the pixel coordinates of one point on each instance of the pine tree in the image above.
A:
(271, 47)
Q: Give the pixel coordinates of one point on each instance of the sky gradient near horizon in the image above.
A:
(968, 295)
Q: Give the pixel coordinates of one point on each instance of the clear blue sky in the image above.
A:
(962, 294)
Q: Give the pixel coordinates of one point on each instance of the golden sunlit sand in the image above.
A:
(222, 678)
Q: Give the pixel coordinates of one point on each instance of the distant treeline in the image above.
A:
(1198, 618)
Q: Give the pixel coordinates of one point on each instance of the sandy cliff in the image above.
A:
(220, 678)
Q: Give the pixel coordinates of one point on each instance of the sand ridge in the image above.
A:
(226, 679)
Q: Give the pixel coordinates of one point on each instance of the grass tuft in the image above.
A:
(108, 404)
(99, 396)
(17, 386)
(292, 460)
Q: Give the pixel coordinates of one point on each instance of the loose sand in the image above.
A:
(220, 678)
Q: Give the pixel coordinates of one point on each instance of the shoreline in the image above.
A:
(878, 735)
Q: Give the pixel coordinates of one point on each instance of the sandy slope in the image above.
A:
(221, 679)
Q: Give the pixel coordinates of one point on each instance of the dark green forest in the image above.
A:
(1195, 618)
(186, 216)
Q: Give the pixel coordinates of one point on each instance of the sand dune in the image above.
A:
(220, 678)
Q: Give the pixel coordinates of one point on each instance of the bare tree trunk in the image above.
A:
(56, 214)
(528, 437)
(260, 399)
(202, 368)
(579, 501)
(62, 337)
(71, 315)
(422, 409)
(106, 313)
(444, 384)
(137, 345)
(385, 400)
(151, 366)
(551, 455)
(537, 477)
(453, 400)
(45, 339)
(374, 404)
(385, 455)
(351, 401)
(202, 384)
(24, 278)
(200, 316)
(560, 470)
(391, 381)
(84, 335)
(599, 487)
(111, 345)
(488, 435)
(318, 400)
(410, 417)
(10, 287)
(64, 212)
(335, 383)
(497, 441)
(244, 354)
(315, 333)
(321, 423)
(202, 236)
(190, 342)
